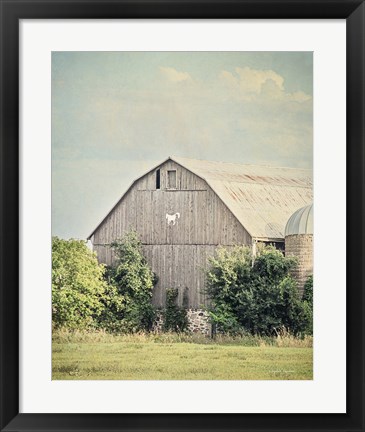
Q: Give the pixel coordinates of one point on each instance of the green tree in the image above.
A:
(77, 284)
(128, 306)
(256, 295)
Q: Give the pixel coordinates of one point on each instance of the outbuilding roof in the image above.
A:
(262, 198)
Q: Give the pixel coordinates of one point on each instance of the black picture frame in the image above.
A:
(14, 10)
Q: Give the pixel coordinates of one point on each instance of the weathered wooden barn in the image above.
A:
(184, 208)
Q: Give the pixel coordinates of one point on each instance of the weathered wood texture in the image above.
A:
(177, 250)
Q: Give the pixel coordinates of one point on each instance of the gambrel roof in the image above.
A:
(262, 198)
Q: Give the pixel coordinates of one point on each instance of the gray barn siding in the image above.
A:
(179, 266)
(177, 253)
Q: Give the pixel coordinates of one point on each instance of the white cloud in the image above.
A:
(173, 75)
(300, 96)
(250, 84)
(251, 81)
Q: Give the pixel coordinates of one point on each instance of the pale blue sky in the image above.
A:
(115, 115)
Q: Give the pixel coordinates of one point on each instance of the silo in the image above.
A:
(299, 243)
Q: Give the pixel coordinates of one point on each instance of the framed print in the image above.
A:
(154, 157)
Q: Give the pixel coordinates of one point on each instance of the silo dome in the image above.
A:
(300, 222)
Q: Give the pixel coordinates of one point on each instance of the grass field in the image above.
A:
(79, 356)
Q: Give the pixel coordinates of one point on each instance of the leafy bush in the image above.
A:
(228, 269)
(127, 301)
(308, 291)
(174, 317)
(77, 284)
(308, 304)
(254, 295)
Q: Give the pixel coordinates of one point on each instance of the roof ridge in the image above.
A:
(173, 157)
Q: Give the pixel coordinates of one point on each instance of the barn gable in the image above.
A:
(202, 217)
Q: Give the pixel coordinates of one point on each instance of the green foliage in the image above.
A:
(77, 284)
(223, 281)
(308, 290)
(257, 296)
(308, 304)
(174, 317)
(127, 301)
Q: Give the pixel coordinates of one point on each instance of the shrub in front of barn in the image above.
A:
(255, 294)
(78, 285)
(127, 303)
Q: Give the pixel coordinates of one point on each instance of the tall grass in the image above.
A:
(283, 338)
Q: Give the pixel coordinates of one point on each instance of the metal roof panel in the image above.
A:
(262, 198)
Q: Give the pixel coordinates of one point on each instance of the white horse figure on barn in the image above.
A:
(172, 218)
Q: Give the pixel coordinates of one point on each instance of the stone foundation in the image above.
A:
(198, 322)
(301, 247)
